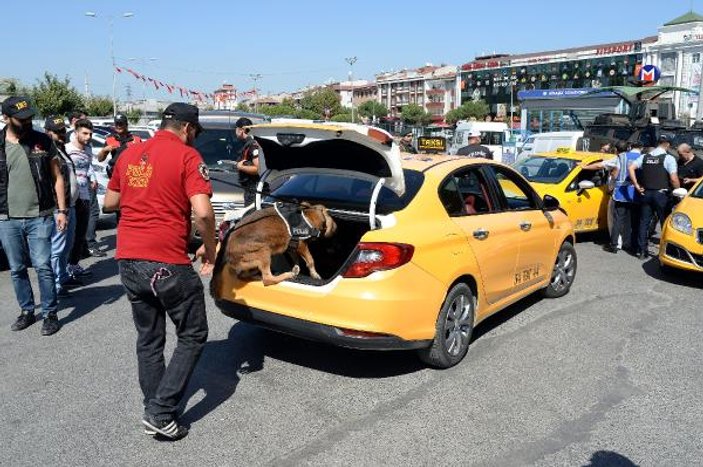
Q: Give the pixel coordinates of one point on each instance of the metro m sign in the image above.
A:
(649, 74)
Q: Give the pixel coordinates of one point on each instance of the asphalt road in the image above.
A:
(608, 375)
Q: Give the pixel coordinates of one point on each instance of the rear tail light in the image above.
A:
(372, 257)
(222, 230)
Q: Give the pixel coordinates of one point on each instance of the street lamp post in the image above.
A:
(129, 14)
(255, 77)
(351, 61)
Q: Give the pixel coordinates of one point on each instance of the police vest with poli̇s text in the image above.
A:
(122, 142)
(250, 151)
(654, 175)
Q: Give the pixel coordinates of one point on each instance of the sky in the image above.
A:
(292, 44)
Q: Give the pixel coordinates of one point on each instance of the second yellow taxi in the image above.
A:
(583, 194)
(681, 244)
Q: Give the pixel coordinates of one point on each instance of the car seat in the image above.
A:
(560, 171)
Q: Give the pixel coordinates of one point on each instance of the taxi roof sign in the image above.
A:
(565, 150)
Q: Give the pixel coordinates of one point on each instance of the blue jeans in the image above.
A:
(30, 238)
(61, 244)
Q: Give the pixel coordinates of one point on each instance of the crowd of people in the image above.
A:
(642, 180)
(47, 193)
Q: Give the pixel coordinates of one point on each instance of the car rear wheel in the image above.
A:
(564, 272)
(455, 324)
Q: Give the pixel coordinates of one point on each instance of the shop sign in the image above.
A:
(432, 144)
(692, 37)
(616, 49)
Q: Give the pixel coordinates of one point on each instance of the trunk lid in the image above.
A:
(339, 148)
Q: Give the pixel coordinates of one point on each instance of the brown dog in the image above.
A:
(259, 236)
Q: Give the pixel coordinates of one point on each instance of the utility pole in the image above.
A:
(129, 14)
(351, 61)
(87, 86)
(256, 77)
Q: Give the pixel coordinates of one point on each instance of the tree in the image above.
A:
(307, 114)
(372, 109)
(134, 115)
(413, 114)
(98, 106)
(278, 110)
(243, 107)
(470, 109)
(341, 118)
(323, 101)
(53, 96)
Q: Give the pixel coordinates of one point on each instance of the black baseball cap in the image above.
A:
(55, 123)
(243, 122)
(407, 132)
(183, 112)
(121, 119)
(18, 107)
(664, 139)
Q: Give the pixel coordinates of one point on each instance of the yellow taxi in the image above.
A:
(681, 244)
(426, 246)
(583, 194)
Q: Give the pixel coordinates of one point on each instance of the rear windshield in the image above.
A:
(347, 193)
(545, 169)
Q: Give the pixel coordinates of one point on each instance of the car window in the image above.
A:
(348, 192)
(545, 169)
(465, 193)
(492, 138)
(598, 177)
(516, 193)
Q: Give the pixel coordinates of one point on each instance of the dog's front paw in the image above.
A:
(315, 275)
(295, 271)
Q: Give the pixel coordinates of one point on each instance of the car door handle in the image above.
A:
(481, 234)
(525, 226)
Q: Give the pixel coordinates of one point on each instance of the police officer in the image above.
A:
(247, 159)
(117, 142)
(475, 148)
(165, 175)
(658, 175)
(406, 143)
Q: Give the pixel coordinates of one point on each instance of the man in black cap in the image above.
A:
(406, 142)
(62, 240)
(475, 148)
(31, 186)
(117, 142)
(165, 175)
(247, 159)
(658, 175)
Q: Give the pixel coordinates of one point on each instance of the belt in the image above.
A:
(662, 190)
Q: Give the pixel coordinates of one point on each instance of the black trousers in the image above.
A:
(651, 201)
(181, 297)
(623, 224)
(79, 241)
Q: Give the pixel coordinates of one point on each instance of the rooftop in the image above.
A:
(690, 17)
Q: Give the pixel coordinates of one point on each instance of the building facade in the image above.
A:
(430, 87)
(677, 55)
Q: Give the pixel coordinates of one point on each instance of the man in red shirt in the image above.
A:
(155, 185)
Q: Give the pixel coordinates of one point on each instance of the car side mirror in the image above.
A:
(680, 192)
(585, 185)
(550, 203)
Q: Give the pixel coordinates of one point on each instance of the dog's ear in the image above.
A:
(330, 224)
(305, 205)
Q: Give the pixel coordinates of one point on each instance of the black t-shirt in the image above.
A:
(694, 169)
(475, 150)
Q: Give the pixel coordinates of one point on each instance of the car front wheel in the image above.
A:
(455, 324)
(563, 273)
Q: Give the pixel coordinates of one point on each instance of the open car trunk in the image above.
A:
(331, 255)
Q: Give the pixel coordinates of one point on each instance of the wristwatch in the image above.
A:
(62, 211)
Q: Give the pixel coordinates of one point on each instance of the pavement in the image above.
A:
(608, 375)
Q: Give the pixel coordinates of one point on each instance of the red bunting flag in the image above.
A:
(118, 69)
